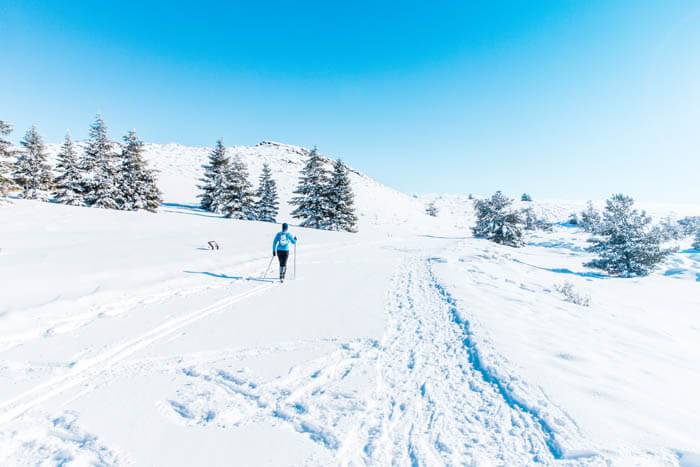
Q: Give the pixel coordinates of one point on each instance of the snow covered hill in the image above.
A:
(180, 168)
(124, 340)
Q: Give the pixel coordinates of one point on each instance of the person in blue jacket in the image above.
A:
(280, 248)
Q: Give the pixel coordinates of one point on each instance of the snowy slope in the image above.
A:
(180, 167)
(123, 340)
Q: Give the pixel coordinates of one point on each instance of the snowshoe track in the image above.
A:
(431, 406)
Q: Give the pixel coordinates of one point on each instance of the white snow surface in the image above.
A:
(125, 341)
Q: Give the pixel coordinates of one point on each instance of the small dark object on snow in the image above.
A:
(213, 245)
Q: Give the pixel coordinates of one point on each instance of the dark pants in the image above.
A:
(283, 256)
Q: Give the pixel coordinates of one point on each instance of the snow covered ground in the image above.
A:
(124, 340)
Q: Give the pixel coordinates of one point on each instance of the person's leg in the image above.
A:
(283, 255)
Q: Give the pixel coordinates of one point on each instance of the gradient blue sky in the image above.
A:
(562, 99)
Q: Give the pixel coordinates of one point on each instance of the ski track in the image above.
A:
(85, 369)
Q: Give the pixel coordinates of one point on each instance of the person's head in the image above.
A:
(285, 227)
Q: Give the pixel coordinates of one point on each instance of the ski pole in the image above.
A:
(294, 276)
(268, 267)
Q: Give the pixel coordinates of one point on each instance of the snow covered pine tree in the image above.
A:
(496, 221)
(32, 173)
(100, 177)
(6, 182)
(312, 190)
(590, 218)
(266, 206)
(137, 182)
(69, 181)
(526, 198)
(214, 176)
(626, 244)
(341, 200)
(236, 197)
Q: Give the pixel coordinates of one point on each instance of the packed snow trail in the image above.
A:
(431, 406)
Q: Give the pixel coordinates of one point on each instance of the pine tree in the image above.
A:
(266, 206)
(6, 182)
(137, 182)
(31, 172)
(526, 197)
(669, 229)
(215, 174)
(236, 197)
(533, 222)
(626, 244)
(311, 202)
(590, 218)
(341, 200)
(100, 177)
(497, 221)
(69, 182)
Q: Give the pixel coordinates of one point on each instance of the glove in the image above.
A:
(274, 253)
(295, 239)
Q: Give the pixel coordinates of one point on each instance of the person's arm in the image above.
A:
(292, 238)
(274, 244)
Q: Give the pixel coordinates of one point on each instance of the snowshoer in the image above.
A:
(280, 248)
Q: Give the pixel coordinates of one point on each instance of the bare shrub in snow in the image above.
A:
(497, 221)
(571, 295)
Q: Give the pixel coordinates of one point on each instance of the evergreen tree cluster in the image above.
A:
(590, 219)
(325, 200)
(226, 189)
(625, 242)
(107, 175)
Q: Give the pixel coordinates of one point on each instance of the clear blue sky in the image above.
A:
(562, 99)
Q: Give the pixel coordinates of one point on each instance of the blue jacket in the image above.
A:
(282, 241)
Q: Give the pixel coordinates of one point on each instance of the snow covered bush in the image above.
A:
(571, 295)
(626, 244)
(431, 209)
(6, 182)
(668, 230)
(31, 172)
(590, 218)
(532, 222)
(690, 225)
(696, 243)
(497, 221)
(526, 197)
(573, 219)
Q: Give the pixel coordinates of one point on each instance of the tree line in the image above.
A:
(323, 198)
(625, 240)
(105, 175)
